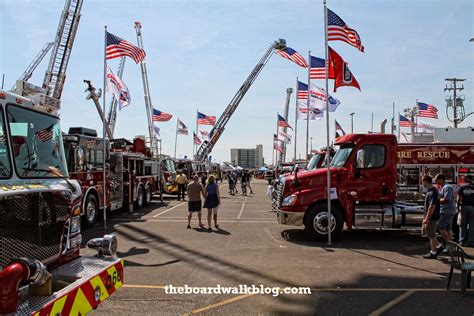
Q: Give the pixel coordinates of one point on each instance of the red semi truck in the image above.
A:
(375, 183)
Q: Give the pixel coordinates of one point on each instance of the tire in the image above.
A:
(316, 222)
(91, 210)
(140, 202)
(148, 195)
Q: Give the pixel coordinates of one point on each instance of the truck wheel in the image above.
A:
(91, 210)
(148, 195)
(140, 197)
(316, 222)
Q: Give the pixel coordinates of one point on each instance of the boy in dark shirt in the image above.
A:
(466, 203)
(431, 216)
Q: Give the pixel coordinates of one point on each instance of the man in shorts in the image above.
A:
(447, 210)
(195, 191)
(431, 216)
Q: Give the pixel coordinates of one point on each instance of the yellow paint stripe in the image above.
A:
(81, 305)
(386, 307)
(219, 304)
(58, 306)
(97, 282)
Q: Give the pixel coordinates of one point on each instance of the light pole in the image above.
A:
(311, 150)
(352, 122)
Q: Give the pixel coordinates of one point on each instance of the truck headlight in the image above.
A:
(289, 200)
(105, 246)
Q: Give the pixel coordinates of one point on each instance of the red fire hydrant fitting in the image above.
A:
(10, 279)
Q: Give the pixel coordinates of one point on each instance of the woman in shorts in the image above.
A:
(213, 200)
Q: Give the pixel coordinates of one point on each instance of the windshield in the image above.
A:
(37, 144)
(5, 167)
(169, 165)
(313, 163)
(341, 156)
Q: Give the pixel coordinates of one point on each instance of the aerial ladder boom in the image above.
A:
(206, 147)
(55, 75)
(31, 68)
(112, 116)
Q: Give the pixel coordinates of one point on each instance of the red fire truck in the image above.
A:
(41, 271)
(132, 177)
(375, 183)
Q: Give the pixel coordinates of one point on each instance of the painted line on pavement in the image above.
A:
(242, 209)
(170, 209)
(219, 304)
(392, 303)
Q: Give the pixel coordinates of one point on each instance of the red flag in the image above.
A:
(343, 75)
(277, 148)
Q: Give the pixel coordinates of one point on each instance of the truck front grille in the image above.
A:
(278, 194)
(31, 226)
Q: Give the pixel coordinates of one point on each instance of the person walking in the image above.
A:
(431, 216)
(213, 200)
(182, 181)
(203, 178)
(466, 202)
(195, 191)
(249, 177)
(447, 211)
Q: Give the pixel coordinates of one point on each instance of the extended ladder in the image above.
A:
(56, 73)
(206, 147)
(31, 68)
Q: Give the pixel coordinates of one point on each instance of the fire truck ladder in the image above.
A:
(206, 147)
(146, 88)
(112, 116)
(31, 68)
(56, 73)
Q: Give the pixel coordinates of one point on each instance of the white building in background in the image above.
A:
(247, 158)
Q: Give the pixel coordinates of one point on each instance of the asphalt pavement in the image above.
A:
(365, 273)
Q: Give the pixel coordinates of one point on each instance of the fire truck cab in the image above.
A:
(375, 183)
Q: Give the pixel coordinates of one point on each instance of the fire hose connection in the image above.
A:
(19, 272)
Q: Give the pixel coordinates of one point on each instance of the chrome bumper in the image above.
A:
(290, 218)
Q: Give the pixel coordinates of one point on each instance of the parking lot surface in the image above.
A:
(365, 273)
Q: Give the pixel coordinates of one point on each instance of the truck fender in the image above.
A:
(91, 190)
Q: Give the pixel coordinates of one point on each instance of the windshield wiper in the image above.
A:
(55, 172)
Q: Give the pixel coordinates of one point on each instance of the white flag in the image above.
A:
(203, 134)
(119, 89)
(426, 127)
(314, 113)
(318, 99)
(285, 137)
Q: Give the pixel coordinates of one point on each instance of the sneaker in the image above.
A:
(441, 249)
(189, 227)
(429, 255)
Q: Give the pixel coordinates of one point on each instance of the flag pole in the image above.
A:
(176, 137)
(416, 116)
(328, 178)
(194, 143)
(296, 118)
(307, 106)
(399, 126)
(104, 146)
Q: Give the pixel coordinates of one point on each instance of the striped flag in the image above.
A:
(318, 69)
(282, 122)
(291, 54)
(117, 47)
(203, 119)
(277, 148)
(339, 31)
(285, 137)
(302, 91)
(182, 128)
(197, 141)
(339, 131)
(427, 110)
(159, 116)
(156, 129)
(45, 134)
(404, 122)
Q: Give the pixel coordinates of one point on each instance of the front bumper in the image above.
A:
(290, 218)
(81, 285)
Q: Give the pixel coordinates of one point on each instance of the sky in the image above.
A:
(199, 53)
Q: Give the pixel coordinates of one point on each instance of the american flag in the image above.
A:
(277, 148)
(156, 129)
(293, 55)
(427, 110)
(203, 119)
(46, 134)
(117, 47)
(339, 131)
(302, 91)
(159, 116)
(339, 31)
(197, 141)
(282, 122)
(404, 122)
(275, 137)
(318, 69)
(182, 128)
